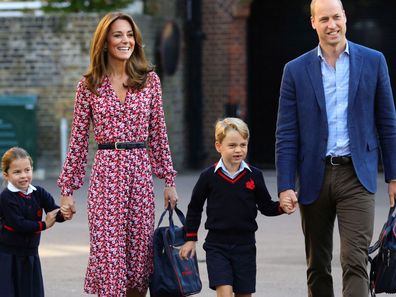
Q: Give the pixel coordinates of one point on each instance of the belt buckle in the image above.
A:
(116, 146)
(332, 163)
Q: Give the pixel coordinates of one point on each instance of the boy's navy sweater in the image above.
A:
(21, 220)
(231, 205)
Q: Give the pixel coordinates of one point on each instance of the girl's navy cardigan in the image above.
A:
(21, 220)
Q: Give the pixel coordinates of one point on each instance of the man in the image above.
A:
(336, 112)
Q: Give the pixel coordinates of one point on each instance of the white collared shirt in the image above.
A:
(243, 165)
(12, 188)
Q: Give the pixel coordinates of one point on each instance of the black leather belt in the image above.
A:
(121, 145)
(338, 160)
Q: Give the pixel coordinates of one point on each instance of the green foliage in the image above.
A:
(71, 6)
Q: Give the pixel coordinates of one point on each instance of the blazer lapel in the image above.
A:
(355, 64)
(315, 75)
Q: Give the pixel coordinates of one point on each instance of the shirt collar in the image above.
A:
(320, 54)
(12, 188)
(220, 164)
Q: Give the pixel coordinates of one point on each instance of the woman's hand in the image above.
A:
(68, 208)
(170, 197)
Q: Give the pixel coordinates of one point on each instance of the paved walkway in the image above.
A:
(280, 250)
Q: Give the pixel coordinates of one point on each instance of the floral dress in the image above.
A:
(120, 194)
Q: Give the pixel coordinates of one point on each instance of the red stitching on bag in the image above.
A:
(177, 277)
(187, 272)
(9, 228)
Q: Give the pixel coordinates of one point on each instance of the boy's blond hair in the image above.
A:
(227, 124)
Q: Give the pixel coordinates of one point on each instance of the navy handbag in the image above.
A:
(383, 265)
(173, 276)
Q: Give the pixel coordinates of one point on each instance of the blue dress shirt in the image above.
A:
(336, 86)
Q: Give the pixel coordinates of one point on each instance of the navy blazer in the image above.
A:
(302, 128)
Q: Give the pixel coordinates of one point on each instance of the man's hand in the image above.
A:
(392, 193)
(68, 207)
(288, 201)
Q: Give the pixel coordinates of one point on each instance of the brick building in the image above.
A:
(46, 56)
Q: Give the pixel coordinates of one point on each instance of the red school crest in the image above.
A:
(250, 184)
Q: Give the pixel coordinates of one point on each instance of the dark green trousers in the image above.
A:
(342, 197)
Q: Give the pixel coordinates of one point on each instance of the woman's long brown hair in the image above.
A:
(137, 66)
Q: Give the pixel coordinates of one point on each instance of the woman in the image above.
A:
(121, 95)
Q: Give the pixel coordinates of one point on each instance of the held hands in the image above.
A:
(170, 196)
(288, 201)
(187, 250)
(50, 218)
(68, 208)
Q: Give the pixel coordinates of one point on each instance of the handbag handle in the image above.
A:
(179, 213)
(392, 211)
(391, 215)
(172, 225)
(388, 227)
(391, 221)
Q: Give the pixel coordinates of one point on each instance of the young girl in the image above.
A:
(21, 210)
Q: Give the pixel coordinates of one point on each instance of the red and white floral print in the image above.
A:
(120, 194)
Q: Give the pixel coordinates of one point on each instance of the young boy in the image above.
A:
(234, 191)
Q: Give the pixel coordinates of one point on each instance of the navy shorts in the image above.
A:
(231, 264)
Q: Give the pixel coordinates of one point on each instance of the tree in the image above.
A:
(84, 5)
